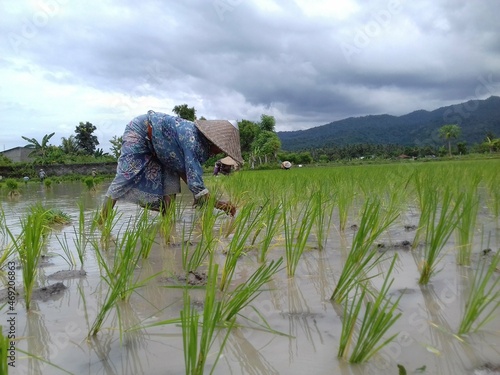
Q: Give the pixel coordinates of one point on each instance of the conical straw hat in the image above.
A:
(224, 135)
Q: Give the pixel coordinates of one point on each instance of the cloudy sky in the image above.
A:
(305, 62)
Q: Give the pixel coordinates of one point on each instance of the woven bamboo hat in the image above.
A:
(224, 135)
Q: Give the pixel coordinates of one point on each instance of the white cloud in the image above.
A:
(332, 9)
(105, 62)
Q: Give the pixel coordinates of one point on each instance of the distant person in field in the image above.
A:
(217, 168)
(42, 175)
(286, 165)
(158, 150)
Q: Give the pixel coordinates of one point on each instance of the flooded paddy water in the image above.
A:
(291, 327)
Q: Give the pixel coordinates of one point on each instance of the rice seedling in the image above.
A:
(106, 223)
(3, 224)
(484, 296)
(169, 218)
(5, 251)
(56, 216)
(191, 261)
(69, 257)
(197, 346)
(4, 353)
(12, 187)
(5, 255)
(246, 292)
(262, 223)
(90, 183)
(205, 245)
(29, 245)
(80, 239)
(297, 230)
(119, 276)
(323, 214)
(493, 186)
(245, 224)
(395, 197)
(422, 185)
(345, 194)
(185, 249)
(379, 316)
(147, 229)
(363, 256)
(47, 182)
(349, 319)
(190, 322)
(439, 227)
(466, 225)
(270, 224)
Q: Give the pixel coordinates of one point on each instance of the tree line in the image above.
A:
(449, 133)
(78, 148)
(260, 146)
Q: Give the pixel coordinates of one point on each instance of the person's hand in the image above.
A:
(227, 207)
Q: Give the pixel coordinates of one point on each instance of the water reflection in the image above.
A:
(441, 334)
(318, 268)
(250, 359)
(293, 306)
(38, 340)
(300, 317)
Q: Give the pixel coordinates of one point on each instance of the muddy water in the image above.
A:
(307, 325)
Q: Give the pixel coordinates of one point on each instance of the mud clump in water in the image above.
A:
(67, 274)
(410, 228)
(193, 278)
(53, 291)
(402, 245)
(487, 369)
(45, 293)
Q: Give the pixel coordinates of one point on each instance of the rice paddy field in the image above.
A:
(370, 269)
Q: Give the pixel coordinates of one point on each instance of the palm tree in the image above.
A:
(491, 142)
(185, 112)
(449, 132)
(116, 146)
(69, 145)
(38, 148)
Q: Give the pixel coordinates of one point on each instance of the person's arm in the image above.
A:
(227, 207)
(193, 178)
(194, 171)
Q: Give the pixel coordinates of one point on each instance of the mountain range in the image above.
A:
(475, 117)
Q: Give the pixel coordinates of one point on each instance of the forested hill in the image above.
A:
(476, 118)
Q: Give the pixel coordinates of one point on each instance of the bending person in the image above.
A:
(158, 150)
